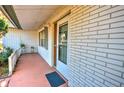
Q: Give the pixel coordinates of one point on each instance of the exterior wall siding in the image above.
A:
(47, 53)
(96, 46)
(15, 37)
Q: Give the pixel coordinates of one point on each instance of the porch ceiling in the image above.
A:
(32, 16)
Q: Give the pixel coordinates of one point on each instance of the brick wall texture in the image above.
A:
(96, 45)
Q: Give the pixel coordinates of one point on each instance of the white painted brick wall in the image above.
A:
(118, 68)
(96, 46)
(112, 41)
(119, 79)
(107, 69)
(118, 24)
(123, 75)
(115, 46)
(114, 30)
(120, 35)
(109, 84)
(100, 18)
(111, 10)
(99, 27)
(113, 51)
(118, 13)
(100, 9)
(95, 69)
(112, 20)
(108, 60)
(96, 61)
(116, 57)
(108, 79)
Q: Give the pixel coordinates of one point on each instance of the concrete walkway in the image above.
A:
(30, 72)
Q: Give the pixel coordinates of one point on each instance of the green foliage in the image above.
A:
(3, 26)
(9, 51)
(4, 61)
(22, 45)
(4, 70)
(4, 55)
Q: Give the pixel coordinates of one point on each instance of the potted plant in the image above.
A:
(22, 47)
(3, 27)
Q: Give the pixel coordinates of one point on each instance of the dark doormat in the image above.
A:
(55, 79)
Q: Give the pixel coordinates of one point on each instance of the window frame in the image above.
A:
(43, 38)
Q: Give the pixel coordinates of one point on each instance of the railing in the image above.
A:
(13, 59)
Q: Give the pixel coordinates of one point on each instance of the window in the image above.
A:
(43, 38)
(63, 34)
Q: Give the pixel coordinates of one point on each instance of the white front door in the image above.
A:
(62, 46)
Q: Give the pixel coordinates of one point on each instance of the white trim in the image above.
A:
(12, 60)
(61, 67)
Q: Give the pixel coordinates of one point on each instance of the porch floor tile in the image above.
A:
(30, 72)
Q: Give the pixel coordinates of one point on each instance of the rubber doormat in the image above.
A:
(55, 79)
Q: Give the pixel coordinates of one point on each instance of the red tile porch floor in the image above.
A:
(30, 72)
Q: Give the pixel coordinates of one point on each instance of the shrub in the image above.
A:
(9, 51)
(4, 55)
(3, 58)
(3, 27)
(4, 70)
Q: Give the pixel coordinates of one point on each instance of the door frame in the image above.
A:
(55, 43)
(55, 37)
(61, 22)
